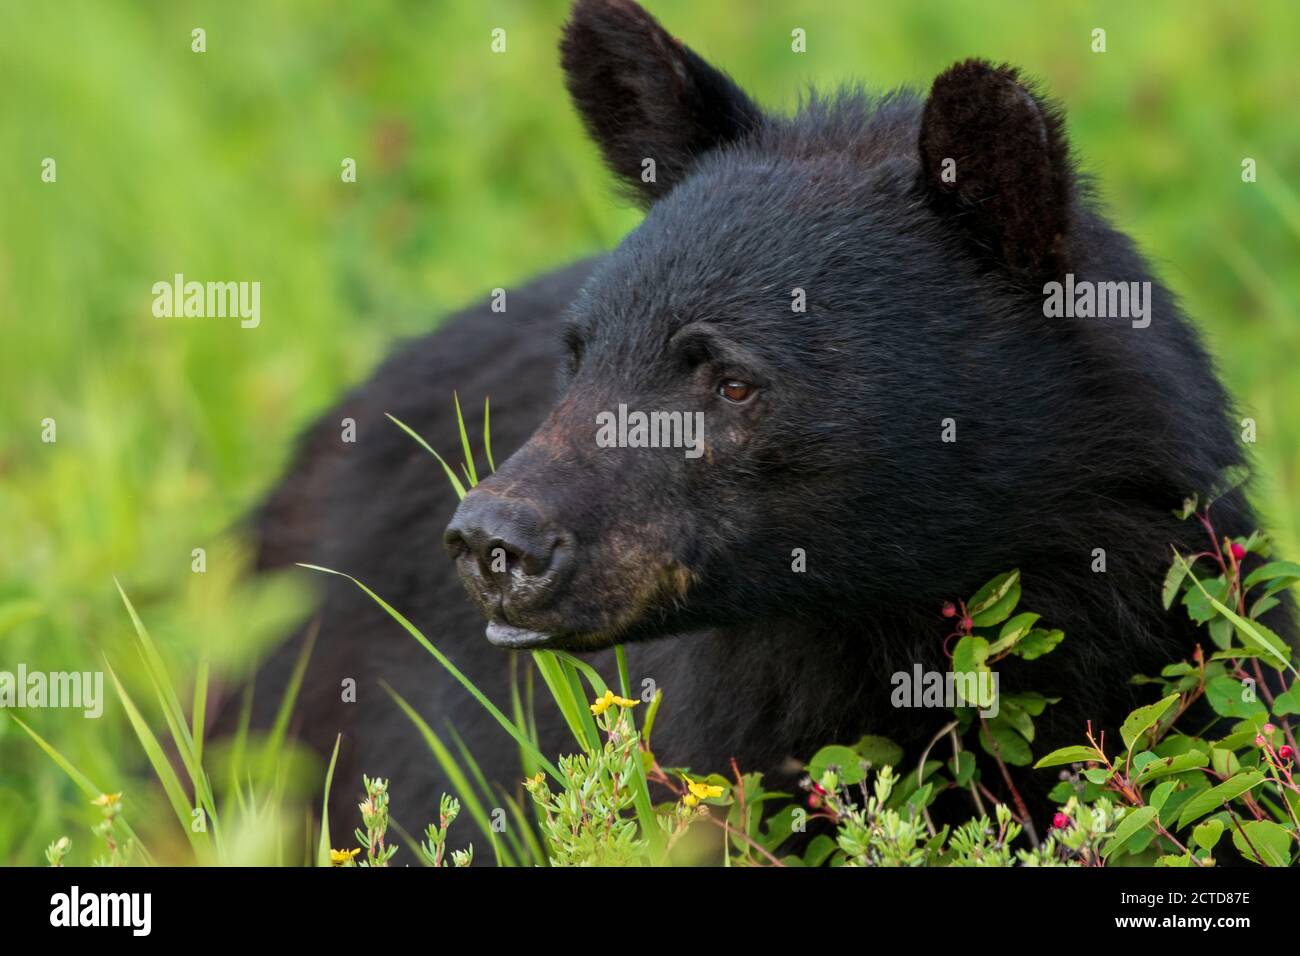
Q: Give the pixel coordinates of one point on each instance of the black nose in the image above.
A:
(506, 546)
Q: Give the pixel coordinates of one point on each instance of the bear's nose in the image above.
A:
(506, 547)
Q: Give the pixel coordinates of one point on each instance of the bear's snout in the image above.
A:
(511, 559)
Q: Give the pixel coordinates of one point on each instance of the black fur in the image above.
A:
(924, 302)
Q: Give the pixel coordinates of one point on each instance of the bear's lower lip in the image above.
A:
(516, 638)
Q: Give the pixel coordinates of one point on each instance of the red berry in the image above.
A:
(1060, 821)
(949, 609)
(819, 788)
(1238, 552)
(1285, 752)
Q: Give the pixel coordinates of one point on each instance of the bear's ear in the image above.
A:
(643, 95)
(994, 158)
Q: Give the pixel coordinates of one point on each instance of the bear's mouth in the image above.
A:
(515, 638)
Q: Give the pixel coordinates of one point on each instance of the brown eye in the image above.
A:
(735, 391)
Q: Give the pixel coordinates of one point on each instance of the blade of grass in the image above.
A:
(455, 775)
(593, 676)
(451, 475)
(84, 783)
(467, 758)
(584, 709)
(198, 719)
(163, 769)
(274, 744)
(534, 846)
(651, 711)
(173, 713)
(558, 685)
(323, 848)
(487, 435)
(451, 668)
(624, 680)
(472, 472)
(240, 747)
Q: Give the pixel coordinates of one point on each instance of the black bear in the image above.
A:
(855, 401)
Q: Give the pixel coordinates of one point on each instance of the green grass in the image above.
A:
(472, 173)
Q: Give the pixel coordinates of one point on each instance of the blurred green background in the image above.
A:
(472, 173)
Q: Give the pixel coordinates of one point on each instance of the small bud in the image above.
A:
(1238, 552)
(949, 609)
(814, 801)
(967, 623)
(1060, 821)
(1268, 728)
(1259, 740)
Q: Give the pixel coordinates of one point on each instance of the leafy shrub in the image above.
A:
(1166, 796)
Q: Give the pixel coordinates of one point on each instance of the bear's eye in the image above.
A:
(736, 391)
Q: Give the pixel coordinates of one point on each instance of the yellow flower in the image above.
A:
(107, 800)
(697, 791)
(603, 704)
(341, 857)
(537, 780)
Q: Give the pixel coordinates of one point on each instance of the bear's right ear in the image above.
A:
(994, 159)
(643, 95)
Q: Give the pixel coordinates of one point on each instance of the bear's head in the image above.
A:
(752, 417)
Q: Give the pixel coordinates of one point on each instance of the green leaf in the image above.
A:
(1221, 632)
(1012, 631)
(1015, 717)
(1173, 581)
(969, 655)
(1264, 839)
(1227, 696)
(1031, 702)
(1161, 794)
(1162, 766)
(962, 767)
(1252, 632)
(995, 601)
(1233, 477)
(1066, 755)
(1143, 719)
(1012, 747)
(1207, 834)
(846, 760)
(1037, 643)
(1287, 570)
(879, 751)
(1197, 599)
(1215, 797)
(1287, 702)
(1129, 827)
